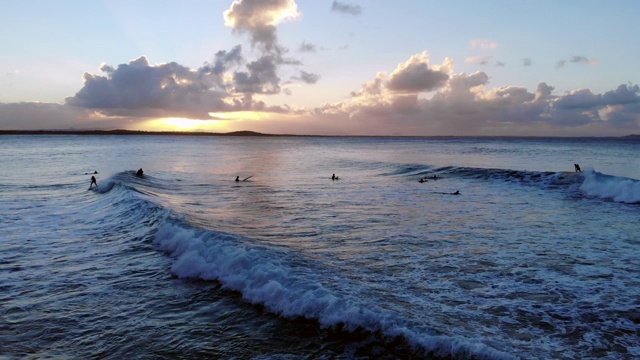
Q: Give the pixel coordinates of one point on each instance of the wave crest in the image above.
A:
(616, 188)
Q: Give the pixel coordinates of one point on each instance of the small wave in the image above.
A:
(408, 169)
(285, 286)
(537, 178)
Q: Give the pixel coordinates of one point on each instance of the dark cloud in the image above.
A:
(344, 8)
(306, 47)
(308, 78)
(500, 64)
(138, 89)
(527, 62)
(578, 99)
(624, 94)
(261, 77)
(223, 59)
(543, 92)
(170, 87)
(585, 99)
(579, 59)
(576, 59)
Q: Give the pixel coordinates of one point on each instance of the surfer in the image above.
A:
(456, 193)
(237, 178)
(434, 177)
(422, 180)
(93, 181)
(577, 167)
(333, 177)
(140, 173)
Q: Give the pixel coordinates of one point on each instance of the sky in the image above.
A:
(323, 67)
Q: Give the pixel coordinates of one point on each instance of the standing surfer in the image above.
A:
(93, 181)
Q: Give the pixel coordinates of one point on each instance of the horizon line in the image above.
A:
(255, 133)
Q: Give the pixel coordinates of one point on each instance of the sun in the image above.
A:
(184, 124)
(218, 122)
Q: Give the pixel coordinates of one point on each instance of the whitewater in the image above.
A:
(531, 261)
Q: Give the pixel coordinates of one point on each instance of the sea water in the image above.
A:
(530, 261)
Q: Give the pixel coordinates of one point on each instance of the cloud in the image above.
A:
(416, 76)
(308, 78)
(576, 59)
(579, 59)
(527, 62)
(483, 44)
(500, 64)
(344, 8)
(140, 89)
(171, 89)
(463, 105)
(259, 18)
(482, 60)
(261, 77)
(223, 60)
(306, 47)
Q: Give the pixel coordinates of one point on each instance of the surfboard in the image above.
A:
(247, 178)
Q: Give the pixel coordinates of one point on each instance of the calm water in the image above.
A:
(528, 262)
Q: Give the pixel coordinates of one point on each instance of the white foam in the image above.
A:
(266, 277)
(618, 189)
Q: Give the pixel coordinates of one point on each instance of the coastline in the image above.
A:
(253, 133)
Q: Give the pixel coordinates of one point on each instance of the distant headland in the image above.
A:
(128, 132)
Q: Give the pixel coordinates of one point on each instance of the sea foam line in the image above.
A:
(616, 188)
(266, 277)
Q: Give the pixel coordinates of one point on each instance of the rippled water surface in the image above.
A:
(530, 261)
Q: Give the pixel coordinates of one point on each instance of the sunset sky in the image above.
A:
(421, 67)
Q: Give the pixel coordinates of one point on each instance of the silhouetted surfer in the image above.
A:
(422, 180)
(237, 178)
(93, 181)
(577, 167)
(456, 193)
(140, 173)
(334, 177)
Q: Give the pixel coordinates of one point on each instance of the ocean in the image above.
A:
(530, 261)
